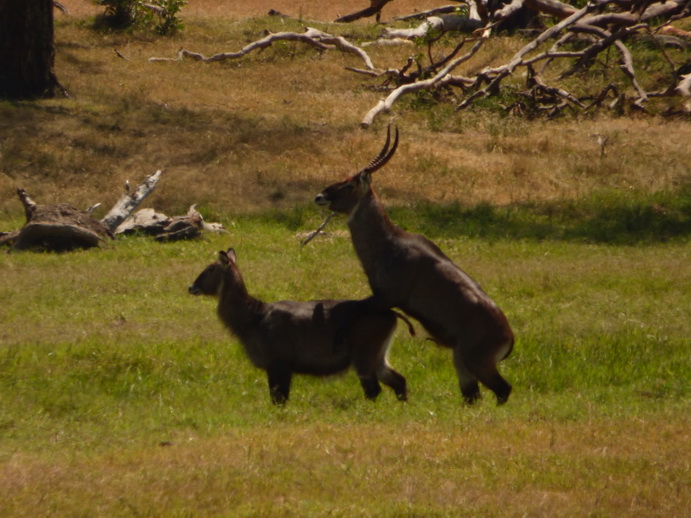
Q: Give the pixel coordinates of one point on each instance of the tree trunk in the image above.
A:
(27, 49)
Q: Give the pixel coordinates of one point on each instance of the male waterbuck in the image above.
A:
(410, 272)
(289, 337)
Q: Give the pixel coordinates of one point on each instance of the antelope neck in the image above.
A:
(236, 307)
(369, 223)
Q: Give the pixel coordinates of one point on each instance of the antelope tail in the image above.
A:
(411, 328)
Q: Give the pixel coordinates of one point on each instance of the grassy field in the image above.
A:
(122, 395)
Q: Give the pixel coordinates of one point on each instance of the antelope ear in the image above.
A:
(232, 256)
(223, 257)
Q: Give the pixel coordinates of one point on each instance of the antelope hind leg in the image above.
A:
(467, 381)
(371, 386)
(395, 380)
(279, 383)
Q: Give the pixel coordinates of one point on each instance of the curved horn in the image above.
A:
(384, 155)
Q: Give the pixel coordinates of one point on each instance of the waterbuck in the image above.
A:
(289, 337)
(410, 272)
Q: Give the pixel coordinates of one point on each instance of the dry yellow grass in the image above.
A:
(325, 470)
(113, 410)
(318, 10)
(271, 129)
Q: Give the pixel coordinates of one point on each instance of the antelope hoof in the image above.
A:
(503, 398)
(471, 393)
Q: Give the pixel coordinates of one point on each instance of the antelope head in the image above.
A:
(210, 281)
(344, 196)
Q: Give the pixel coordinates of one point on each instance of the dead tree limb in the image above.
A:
(508, 69)
(432, 24)
(164, 228)
(535, 82)
(340, 43)
(441, 78)
(260, 44)
(600, 25)
(315, 233)
(61, 227)
(312, 37)
(509, 10)
(373, 10)
(128, 202)
(684, 85)
(661, 9)
(58, 227)
(627, 68)
(447, 9)
(551, 8)
(58, 5)
(596, 24)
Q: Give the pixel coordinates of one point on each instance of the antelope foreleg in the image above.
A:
(486, 371)
(490, 377)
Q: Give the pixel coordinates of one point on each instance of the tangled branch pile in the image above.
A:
(567, 64)
(579, 38)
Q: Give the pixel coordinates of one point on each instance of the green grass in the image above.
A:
(111, 373)
(611, 217)
(122, 395)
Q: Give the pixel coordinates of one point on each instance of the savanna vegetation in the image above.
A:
(122, 395)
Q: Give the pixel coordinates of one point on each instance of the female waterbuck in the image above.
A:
(289, 337)
(410, 272)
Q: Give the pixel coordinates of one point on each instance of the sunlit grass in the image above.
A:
(122, 395)
(610, 320)
(111, 373)
(270, 130)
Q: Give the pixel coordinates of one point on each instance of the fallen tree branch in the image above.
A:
(342, 44)
(441, 78)
(373, 10)
(627, 68)
(599, 26)
(433, 24)
(164, 228)
(508, 69)
(263, 43)
(312, 37)
(321, 227)
(447, 9)
(128, 202)
(388, 42)
(537, 83)
(58, 227)
(684, 85)
(665, 8)
(551, 8)
(606, 40)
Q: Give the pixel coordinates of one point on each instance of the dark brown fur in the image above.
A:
(410, 272)
(289, 337)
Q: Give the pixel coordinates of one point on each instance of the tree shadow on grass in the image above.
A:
(612, 218)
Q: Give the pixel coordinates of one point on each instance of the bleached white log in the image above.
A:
(128, 202)
(313, 37)
(435, 23)
(684, 85)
